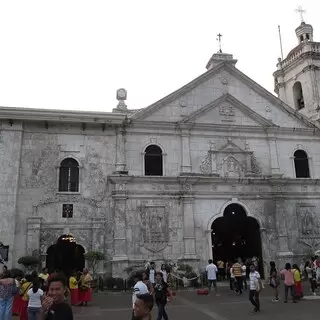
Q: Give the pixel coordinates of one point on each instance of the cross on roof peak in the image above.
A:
(301, 11)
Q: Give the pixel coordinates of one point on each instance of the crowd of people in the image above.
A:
(43, 296)
(150, 286)
(238, 273)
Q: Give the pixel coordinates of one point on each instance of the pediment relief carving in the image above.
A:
(230, 161)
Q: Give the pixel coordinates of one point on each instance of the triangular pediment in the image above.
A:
(227, 110)
(232, 148)
(215, 83)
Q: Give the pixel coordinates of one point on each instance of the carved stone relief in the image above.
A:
(226, 110)
(231, 168)
(255, 167)
(206, 164)
(155, 229)
(309, 223)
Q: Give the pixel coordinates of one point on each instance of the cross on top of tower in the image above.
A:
(219, 35)
(301, 11)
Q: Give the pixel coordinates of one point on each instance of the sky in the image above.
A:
(74, 55)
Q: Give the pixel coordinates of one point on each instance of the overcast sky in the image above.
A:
(67, 54)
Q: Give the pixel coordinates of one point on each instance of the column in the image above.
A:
(209, 239)
(120, 165)
(284, 254)
(33, 235)
(98, 227)
(189, 229)
(275, 170)
(120, 258)
(185, 152)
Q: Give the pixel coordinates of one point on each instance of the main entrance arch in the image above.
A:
(66, 255)
(235, 235)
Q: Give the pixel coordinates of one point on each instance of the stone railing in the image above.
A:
(307, 47)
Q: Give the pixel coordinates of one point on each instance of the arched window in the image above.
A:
(298, 96)
(153, 162)
(69, 175)
(301, 164)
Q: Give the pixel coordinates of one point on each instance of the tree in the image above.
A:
(93, 258)
(29, 261)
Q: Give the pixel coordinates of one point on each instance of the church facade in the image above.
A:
(217, 169)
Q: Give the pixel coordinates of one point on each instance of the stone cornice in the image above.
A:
(196, 179)
(28, 114)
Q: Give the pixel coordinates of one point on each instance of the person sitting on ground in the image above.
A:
(143, 306)
(54, 306)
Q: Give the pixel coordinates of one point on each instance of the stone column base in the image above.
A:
(284, 257)
(119, 264)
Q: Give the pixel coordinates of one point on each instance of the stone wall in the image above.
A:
(10, 150)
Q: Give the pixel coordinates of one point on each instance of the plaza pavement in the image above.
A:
(187, 305)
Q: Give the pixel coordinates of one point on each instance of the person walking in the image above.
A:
(288, 283)
(7, 284)
(35, 295)
(274, 281)
(244, 276)
(162, 294)
(236, 269)
(255, 288)
(25, 286)
(211, 270)
(297, 281)
(311, 275)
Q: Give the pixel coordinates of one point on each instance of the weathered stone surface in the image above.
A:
(224, 140)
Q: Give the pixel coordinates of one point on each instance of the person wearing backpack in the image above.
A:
(274, 280)
(7, 285)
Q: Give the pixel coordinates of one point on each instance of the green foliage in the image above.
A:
(93, 258)
(29, 261)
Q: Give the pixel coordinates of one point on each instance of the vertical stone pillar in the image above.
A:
(120, 258)
(284, 253)
(33, 235)
(274, 161)
(213, 154)
(121, 165)
(185, 151)
(189, 238)
(98, 227)
(209, 240)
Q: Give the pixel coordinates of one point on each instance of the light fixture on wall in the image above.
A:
(69, 238)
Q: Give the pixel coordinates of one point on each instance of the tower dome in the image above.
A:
(304, 32)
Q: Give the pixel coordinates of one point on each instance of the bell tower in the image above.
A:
(297, 79)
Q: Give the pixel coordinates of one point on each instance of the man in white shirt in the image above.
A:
(255, 287)
(212, 270)
(138, 289)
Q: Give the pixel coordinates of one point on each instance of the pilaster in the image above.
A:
(120, 165)
(119, 196)
(185, 151)
(284, 253)
(98, 241)
(189, 237)
(33, 235)
(274, 160)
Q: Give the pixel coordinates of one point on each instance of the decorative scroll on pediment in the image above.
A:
(230, 161)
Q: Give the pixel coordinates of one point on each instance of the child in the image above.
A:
(142, 307)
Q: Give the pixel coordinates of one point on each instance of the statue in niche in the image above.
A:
(232, 168)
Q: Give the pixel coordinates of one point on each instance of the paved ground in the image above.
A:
(190, 306)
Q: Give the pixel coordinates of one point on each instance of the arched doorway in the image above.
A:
(66, 255)
(235, 235)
